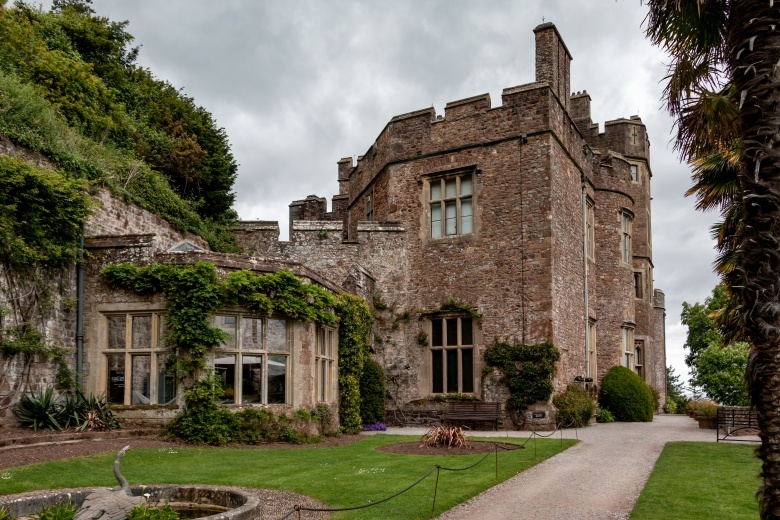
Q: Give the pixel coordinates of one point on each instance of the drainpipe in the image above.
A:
(80, 313)
(585, 273)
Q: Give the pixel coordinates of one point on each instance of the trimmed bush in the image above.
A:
(604, 416)
(372, 393)
(626, 395)
(575, 407)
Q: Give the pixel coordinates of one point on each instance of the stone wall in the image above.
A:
(114, 217)
(534, 160)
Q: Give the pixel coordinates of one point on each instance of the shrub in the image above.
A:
(145, 512)
(575, 407)
(64, 511)
(39, 410)
(626, 395)
(372, 392)
(604, 416)
(656, 398)
(324, 417)
(45, 409)
(96, 413)
(375, 427)
(203, 421)
(444, 436)
(670, 406)
(703, 407)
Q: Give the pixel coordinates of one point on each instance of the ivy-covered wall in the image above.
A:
(41, 215)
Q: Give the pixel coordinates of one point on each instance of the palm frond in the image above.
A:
(715, 179)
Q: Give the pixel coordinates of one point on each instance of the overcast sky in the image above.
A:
(299, 84)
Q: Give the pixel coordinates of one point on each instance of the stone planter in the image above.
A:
(708, 423)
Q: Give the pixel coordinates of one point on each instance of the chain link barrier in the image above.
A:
(437, 468)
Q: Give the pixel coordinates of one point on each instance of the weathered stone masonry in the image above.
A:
(537, 161)
(523, 211)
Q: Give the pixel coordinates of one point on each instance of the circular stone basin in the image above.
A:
(214, 503)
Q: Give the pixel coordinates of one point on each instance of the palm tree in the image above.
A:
(724, 92)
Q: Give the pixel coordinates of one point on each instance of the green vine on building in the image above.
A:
(41, 217)
(194, 292)
(527, 371)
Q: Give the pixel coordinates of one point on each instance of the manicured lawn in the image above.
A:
(701, 480)
(340, 477)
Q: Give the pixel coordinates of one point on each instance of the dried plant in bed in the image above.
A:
(443, 437)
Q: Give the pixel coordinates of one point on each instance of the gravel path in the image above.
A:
(599, 478)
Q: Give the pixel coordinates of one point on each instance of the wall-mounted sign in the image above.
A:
(538, 415)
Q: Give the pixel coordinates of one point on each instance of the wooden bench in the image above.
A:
(473, 411)
(733, 420)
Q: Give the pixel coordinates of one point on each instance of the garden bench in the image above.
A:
(473, 411)
(733, 420)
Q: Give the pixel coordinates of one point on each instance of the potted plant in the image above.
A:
(706, 414)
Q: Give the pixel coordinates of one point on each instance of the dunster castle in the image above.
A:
(523, 212)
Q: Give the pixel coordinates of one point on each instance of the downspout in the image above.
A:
(80, 313)
(585, 273)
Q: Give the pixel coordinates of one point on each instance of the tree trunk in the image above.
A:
(754, 43)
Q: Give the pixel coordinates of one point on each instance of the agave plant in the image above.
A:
(95, 414)
(39, 409)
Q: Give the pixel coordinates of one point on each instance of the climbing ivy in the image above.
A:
(41, 216)
(354, 335)
(527, 371)
(194, 292)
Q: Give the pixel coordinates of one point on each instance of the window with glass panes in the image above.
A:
(639, 357)
(451, 205)
(253, 363)
(590, 229)
(452, 355)
(135, 360)
(634, 173)
(625, 236)
(369, 205)
(325, 355)
(628, 347)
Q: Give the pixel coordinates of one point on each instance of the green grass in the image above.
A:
(698, 480)
(345, 476)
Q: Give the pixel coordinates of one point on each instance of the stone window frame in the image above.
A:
(639, 284)
(465, 384)
(446, 199)
(626, 220)
(592, 349)
(368, 205)
(627, 340)
(590, 228)
(143, 386)
(325, 349)
(635, 173)
(234, 324)
(639, 357)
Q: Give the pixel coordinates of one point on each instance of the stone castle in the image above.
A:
(524, 211)
(524, 214)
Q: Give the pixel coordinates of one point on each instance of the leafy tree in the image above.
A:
(720, 372)
(723, 90)
(702, 327)
(84, 65)
(676, 400)
(717, 369)
(674, 387)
